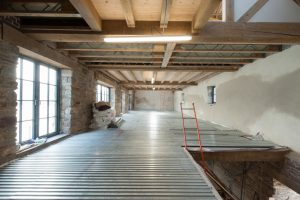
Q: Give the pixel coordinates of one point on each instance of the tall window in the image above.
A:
(103, 93)
(25, 99)
(37, 100)
(47, 100)
(212, 94)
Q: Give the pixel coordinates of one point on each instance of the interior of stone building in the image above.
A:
(150, 99)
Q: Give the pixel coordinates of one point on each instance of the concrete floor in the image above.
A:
(141, 160)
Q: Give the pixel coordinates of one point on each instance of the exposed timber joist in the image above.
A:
(168, 53)
(229, 11)
(212, 33)
(208, 76)
(252, 10)
(116, 56)
(297, 2)
(158, 83)
(205, 10)
(128, 12)
(171, 68)
(110, 75)
(41, 14)
(253, 56)
(270, 49)
(28, 44)
(88, 13)
(165, 13)
(184, 62)
(150, 88)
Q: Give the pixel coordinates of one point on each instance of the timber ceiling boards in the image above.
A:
(79, 26)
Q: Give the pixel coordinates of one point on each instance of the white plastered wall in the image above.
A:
(263, 96)
(272, 11)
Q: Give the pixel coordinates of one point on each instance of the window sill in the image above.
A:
(35, 147)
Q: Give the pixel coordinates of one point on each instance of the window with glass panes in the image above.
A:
(37, 100)
(103, 93)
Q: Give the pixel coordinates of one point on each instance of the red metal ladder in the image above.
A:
(197, 128)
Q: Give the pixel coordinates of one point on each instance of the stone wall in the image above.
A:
(83, 91)
(118, 100)
(245, 179)
(8, 99)
(65, 100)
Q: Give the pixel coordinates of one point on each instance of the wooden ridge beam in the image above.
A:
(212, 33)
(158, 83)
(89, 13)
(158, 68)
(204, 12)
(128, 12)
(252, 10)
(165, 13)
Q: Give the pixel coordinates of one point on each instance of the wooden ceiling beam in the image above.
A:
(89, 13)
(297, 2)
(178, 49)
(175, 76)
(195, 78)
(109, 75)
(168, 76)
(157, 83)
(139, 75)
(41, 14)
(133, 76)
(165, 13)
(186, 76)
(208, 76)
(184, 62)
(166, 89)
(254, 56)
(128, 13)
(156, 69)
(129, 75)
(212, 33)
(168, 53)
(123, 75)
(229, 11)
(44, 52)
(252, 10)
(191, 79)
(116, 73)
(116, 56)
(204, 12)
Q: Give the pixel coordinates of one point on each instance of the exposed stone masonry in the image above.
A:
(8, 100)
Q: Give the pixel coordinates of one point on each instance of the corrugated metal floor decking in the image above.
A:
(143, 160)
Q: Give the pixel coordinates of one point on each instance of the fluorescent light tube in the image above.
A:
(148, 39)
